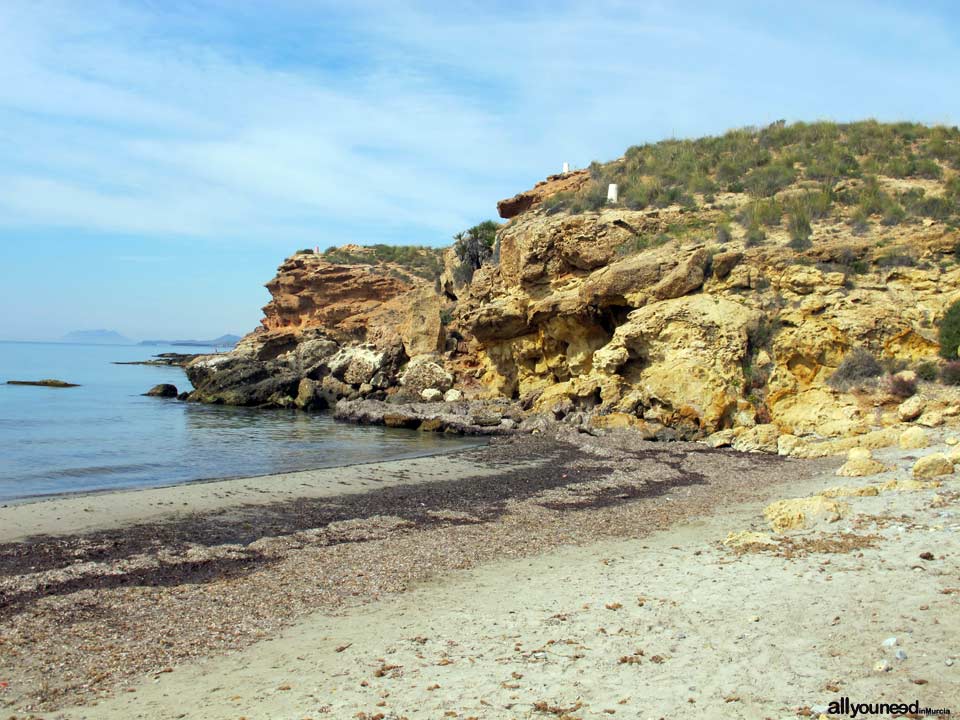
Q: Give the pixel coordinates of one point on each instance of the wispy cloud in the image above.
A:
(277, 122)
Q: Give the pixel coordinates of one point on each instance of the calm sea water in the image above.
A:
(105, 435)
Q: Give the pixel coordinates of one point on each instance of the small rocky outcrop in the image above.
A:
(563, 182)
(163, 390)
(465, 417)
(49, 382)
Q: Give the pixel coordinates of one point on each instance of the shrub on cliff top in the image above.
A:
(857, 367)
(474, 248)
(950, 332)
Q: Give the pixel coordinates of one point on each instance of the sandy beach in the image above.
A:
(533, 578)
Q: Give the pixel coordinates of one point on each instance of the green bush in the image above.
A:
(927, 370)
(859, 222)
(723, 233)
(950, 332)
(798, 225)
(755, 236)
(896, 258)
(761, 212)
(768, 180)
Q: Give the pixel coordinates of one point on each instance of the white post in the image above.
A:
(612, 193)
(566, 168)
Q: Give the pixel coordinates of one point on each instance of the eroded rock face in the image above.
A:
(330, 332)
(694, 335)
(608, 320)
(309, 292)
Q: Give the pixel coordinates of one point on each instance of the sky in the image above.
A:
(159, 159)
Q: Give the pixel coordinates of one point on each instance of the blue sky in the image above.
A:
(158, 159)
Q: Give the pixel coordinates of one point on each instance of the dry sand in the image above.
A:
(591, 623)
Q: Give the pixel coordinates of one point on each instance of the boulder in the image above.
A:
(452, 395)
(164, 390)
(932, 466)
(913, 439)
(804, 513)
(930, 419)
(721, 438)
(431, 395)
(860, 467)
(685, 278)
(486, 418)
(760, 438)
(308, 397)
(424, 372)
(859, 453)
(356, 364)
(749, 538)
(724, 262)
(911, 408)
(332, 390)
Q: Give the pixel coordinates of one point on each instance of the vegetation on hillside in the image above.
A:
(423, 262)
(474, 247)
(790, 174)
(950, 332)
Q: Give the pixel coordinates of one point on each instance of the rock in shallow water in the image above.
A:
(163, 390)
(49, 382)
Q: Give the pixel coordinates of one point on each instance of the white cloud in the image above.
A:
(396, 120)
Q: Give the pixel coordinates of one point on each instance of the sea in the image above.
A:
(106, 435)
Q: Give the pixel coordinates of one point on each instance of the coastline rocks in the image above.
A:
(163, 390)
(431, 395)
(49, 382)
(452, 395)
(235, 379)
(163, 360)
(424, 373)
(466, 418)
(760, 438)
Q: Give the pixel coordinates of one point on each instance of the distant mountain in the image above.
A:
(97, 337)
(222, 341)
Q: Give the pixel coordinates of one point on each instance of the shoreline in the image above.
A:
(672, 623)
(575, 572)
(32, 499)
(202, 570)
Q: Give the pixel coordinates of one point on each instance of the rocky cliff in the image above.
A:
(718, 309)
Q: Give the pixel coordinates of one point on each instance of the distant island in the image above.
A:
(222, 341)
(97, 337)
